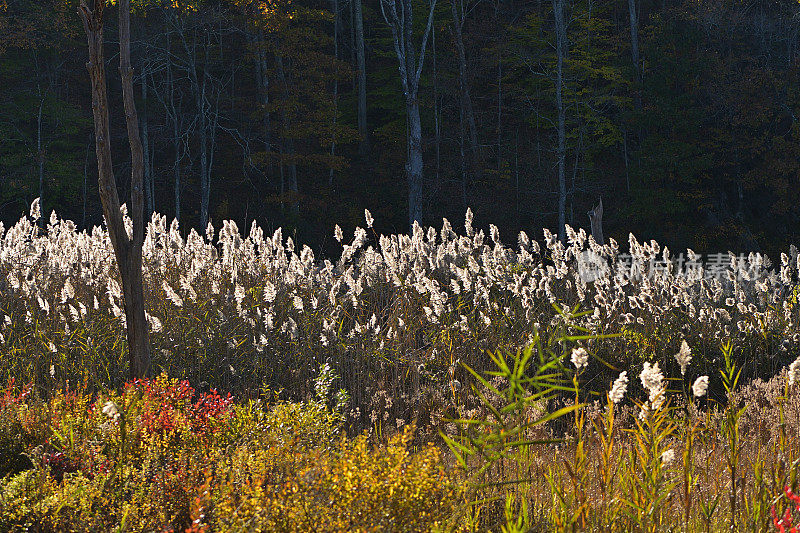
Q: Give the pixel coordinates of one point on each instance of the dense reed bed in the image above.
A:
(540, 387)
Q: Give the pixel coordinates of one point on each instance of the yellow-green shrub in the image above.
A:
(159, 458)
(348, 488)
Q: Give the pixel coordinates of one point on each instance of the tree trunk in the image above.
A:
(499, 112)
(335, 6)
(127, 250)
(410, 67)
(596, 222)
(436, 118)
(465, 100)
(363, 147)
(200, 98)
(148, 174)
(637, 98)
(206, 131)
(85, 180)
(625, 158)
(262, 82)
(414, 164)
(138, 328)
(176, 165)
(558, 11)
(462, 152)
(176, 139)
(176, 172)
(516, 174)
(499, 92)
(288, 141)
(40, 160)
(265, 102)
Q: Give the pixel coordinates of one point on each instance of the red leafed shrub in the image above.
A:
(167, 406)
(10, 397)
(208, 408)
(60, 464)
(785, 524)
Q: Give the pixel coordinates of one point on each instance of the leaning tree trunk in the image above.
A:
(128, 251)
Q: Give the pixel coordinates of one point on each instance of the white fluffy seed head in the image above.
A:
(67, 292)
(579, 358)
(653, 380)
(700, 386)
(651, 377)
(619, 388)
(155, 323)
(794, 371)
(684, 356)
(172, 296)
(111, 410)
(668, 456)
(36, 211)
(270, 292)
(239, 294)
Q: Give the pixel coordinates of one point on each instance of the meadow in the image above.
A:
(427, 382)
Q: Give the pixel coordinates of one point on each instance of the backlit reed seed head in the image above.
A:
(667, 456)
(700, 386)
(794, 371)
(619, 388)
(68, 292)
(239, 294)
(36, 211)
(270, 292)
(172, 296)
(111, 410)
(155, 323)
(368, 218)
(684, 356)
(579, 358)
(653, 380)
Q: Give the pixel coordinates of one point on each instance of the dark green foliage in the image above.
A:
(702, 153)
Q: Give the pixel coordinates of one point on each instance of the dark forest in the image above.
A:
(680, 115)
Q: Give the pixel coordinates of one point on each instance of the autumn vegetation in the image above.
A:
(431, 381)
(171, 373)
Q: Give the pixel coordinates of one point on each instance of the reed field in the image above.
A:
(437, 381)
